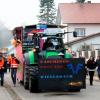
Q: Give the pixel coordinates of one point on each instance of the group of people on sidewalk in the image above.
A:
(12, 63)
(92, 66)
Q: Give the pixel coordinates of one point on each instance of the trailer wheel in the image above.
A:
(26, 77)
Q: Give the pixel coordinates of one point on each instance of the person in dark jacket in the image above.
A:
(2, 69)
(91, 65)
(98, 66)
(47, 44)
(5, 65)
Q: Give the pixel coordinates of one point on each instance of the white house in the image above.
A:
(90, 42)
(84, 18)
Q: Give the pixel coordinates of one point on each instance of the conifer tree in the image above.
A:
(47, 11)
(80, 1)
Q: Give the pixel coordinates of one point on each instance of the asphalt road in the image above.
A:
(9, 92)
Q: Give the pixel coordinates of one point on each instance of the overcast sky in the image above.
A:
(20, 12)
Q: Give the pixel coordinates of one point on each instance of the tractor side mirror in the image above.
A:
(74, 34)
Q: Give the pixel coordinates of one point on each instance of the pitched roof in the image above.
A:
(84, 38)
(79, 13)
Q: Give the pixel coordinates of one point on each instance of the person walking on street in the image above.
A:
(98, 66)
(91, 65)
(5, 64)
(2, 69)
(14, 66)
(9, 61)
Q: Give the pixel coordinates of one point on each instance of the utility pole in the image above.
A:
(67, 37)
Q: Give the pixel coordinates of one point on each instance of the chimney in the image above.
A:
(88, 1)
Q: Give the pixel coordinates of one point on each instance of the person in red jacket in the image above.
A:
(2, 69)
(14, 66)
(9, 61)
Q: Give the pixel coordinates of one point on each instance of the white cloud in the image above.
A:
(18, 12)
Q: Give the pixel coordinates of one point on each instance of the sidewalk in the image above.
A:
(4, 95)
(94, 78)
(10, 87)
(7, 91)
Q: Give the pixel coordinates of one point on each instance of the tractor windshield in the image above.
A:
(53, 43)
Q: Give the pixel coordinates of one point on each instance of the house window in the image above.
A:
(80, 31)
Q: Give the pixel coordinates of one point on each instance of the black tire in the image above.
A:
(26, 77)
(33, 80)
(33, 85)
(30, 85)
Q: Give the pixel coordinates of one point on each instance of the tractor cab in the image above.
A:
(43, 40)
(52, 46)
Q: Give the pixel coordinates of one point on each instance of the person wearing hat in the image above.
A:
(2, 69)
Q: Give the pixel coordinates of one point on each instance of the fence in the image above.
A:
(87, 54)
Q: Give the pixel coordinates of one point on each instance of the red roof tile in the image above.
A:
(80, 13)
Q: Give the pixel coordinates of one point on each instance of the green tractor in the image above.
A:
(47, 65)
